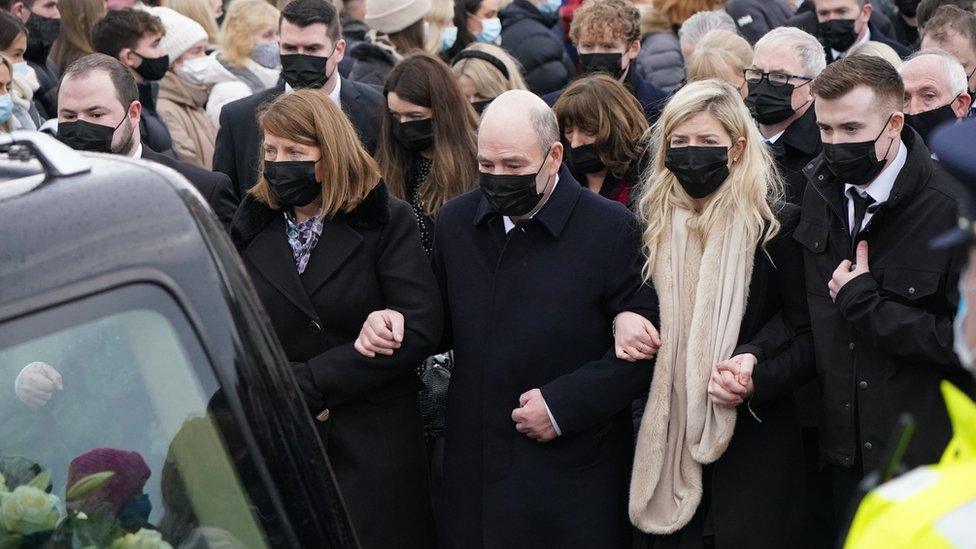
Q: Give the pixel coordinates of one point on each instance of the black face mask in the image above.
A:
(770, 104)
(609, 63)
(415, 135)
(855, 163)
(41, 34)
(907, 7)
(153, 68)
(838, 34)
(925, 122)
(512, 195)
(304, 71)
(86, 136)
(584, 159)
(699, 170)
(293, 183)
(480, 106)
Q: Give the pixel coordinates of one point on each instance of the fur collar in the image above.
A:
(253, 216)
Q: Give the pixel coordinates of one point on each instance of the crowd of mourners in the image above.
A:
(663, 273)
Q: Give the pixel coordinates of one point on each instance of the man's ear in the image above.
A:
(126, 55)
(556, 153)
(961, 104)
(897, 124)
(634, 49)
(135, 112)
(340, 50)
(20, 10)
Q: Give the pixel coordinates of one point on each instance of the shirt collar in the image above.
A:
(138, 152)
(334, 96)
(772, 140)
(554, 214)
(880, 188)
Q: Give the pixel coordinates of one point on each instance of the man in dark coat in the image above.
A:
(881, 301)
(784, 110)
(98, 89)
(539, 438)
(535, 39)
(755, 18)
(600, 23)
(828, 18)
(311, 49)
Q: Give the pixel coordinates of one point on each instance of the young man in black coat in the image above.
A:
(595, 26)
(532, 34)
(842, 24)
(311, 49)
(99, 110)
(134, 37)
(786, 61)
(881, 301)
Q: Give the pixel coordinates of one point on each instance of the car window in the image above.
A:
(119, 383)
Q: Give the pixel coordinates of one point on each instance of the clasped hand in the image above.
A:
(634, 337)
(731, 381)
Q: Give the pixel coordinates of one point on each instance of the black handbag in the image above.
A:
(436, 376)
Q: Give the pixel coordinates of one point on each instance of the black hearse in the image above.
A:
(143, 395)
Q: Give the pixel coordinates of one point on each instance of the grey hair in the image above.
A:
(698, 25)
(952, 71)
(546, 127)
(807, 49)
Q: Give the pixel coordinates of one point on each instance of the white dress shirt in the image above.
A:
(509, 225)
(334, 96)
(772, 140)
(138, 152)
(841, 55)
(879, 189)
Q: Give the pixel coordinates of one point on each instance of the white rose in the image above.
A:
(29, 510)
(143, 539)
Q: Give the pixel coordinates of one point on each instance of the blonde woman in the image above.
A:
(200, 11)
(484, 72)
(249, 43)
(441, 31)
(718, 451)
(7, 121)
(74, 42)
(722, 55)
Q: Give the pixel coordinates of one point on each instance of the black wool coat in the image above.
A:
(536, 41)
(366, 260)
(152, 129)
(214, 186)
(879, 26)
(533, 309)
(885, 345)
(798, 145)
(237, 149)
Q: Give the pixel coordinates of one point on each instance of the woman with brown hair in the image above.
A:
(326, 245)
(602, 126)
(74, 42)
(427, 145)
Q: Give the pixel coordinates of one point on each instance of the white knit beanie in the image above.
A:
(182, 33)
(389, 16)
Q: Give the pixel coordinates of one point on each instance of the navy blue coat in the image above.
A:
(650, 97)
(536, 40)
(755, 18)
(533, 309)
(807, 22)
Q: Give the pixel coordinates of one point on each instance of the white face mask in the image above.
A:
(195, 71)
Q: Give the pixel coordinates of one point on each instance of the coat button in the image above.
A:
(851, 346)
(323, 415)
(862, 384)
(911, 291)
(816, 243)
(820, 177)
(868, 446)
(315, 326)
(847, 405)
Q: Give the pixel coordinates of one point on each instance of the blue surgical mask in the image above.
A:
(550, 7)
(6, 107)
(448, 37)
(491, 29)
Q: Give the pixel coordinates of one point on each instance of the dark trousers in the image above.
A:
(843, 484)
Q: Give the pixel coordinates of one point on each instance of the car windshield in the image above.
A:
(113, 427)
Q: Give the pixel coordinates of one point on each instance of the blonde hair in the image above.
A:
(877, 49)
(719, 52)
(677, 12)
(441, 15)
(751, 191)
(243, 19)
(199, 12)
(77, 19)
(347, 172)
(488, 80)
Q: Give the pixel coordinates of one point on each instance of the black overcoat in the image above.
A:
(533, 309)
(236, 151)
(366, 260)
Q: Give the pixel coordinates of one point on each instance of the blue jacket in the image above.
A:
(650, 97)
(536, 41)
(755, 18)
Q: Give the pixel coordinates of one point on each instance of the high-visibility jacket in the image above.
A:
(932, 506)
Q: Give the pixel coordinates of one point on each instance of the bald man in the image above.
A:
(533, 269)
(936, 91)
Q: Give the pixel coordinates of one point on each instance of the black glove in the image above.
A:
(313, 396)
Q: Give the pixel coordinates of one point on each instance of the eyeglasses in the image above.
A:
(755, 76)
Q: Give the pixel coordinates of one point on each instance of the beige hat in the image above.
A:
(182, 33)
(390, 16)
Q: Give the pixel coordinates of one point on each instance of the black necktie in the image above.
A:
(861, 205)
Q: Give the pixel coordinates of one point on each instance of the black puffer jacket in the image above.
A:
(373, 63)
(536, 41)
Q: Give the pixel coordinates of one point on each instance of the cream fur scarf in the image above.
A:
(702, 287)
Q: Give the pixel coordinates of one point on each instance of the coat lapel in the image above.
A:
(271, 255)
(335, 246)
